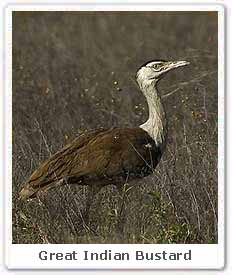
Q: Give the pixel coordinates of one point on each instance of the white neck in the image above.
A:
(155, 126)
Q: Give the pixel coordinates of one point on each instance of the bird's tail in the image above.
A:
(37, 183)
(28, 192)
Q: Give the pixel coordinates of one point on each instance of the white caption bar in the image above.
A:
(117, 256)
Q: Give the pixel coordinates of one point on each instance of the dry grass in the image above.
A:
(75, 71)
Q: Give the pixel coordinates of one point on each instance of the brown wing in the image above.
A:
(101, 157)
(134, 154)
(58, 166)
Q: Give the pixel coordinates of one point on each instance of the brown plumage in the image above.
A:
(98, 157)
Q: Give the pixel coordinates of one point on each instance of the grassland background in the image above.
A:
(75, 71)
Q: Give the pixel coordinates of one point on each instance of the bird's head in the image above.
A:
(153, 71)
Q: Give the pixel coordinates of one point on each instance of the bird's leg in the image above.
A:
(122, 189)
(92, 192)
(120, 222)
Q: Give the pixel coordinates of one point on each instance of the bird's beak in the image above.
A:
(176, 64)
(170, 65)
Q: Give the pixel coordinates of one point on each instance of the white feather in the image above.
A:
(156, 124)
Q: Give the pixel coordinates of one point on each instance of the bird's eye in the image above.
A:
(157, 67)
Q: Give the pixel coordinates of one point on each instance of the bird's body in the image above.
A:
(110, 156)
(100, 157)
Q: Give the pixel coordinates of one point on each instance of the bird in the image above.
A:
(113, 156)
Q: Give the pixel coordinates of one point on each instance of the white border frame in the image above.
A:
(14, 251)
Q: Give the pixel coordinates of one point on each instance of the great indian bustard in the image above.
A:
(110, 156)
